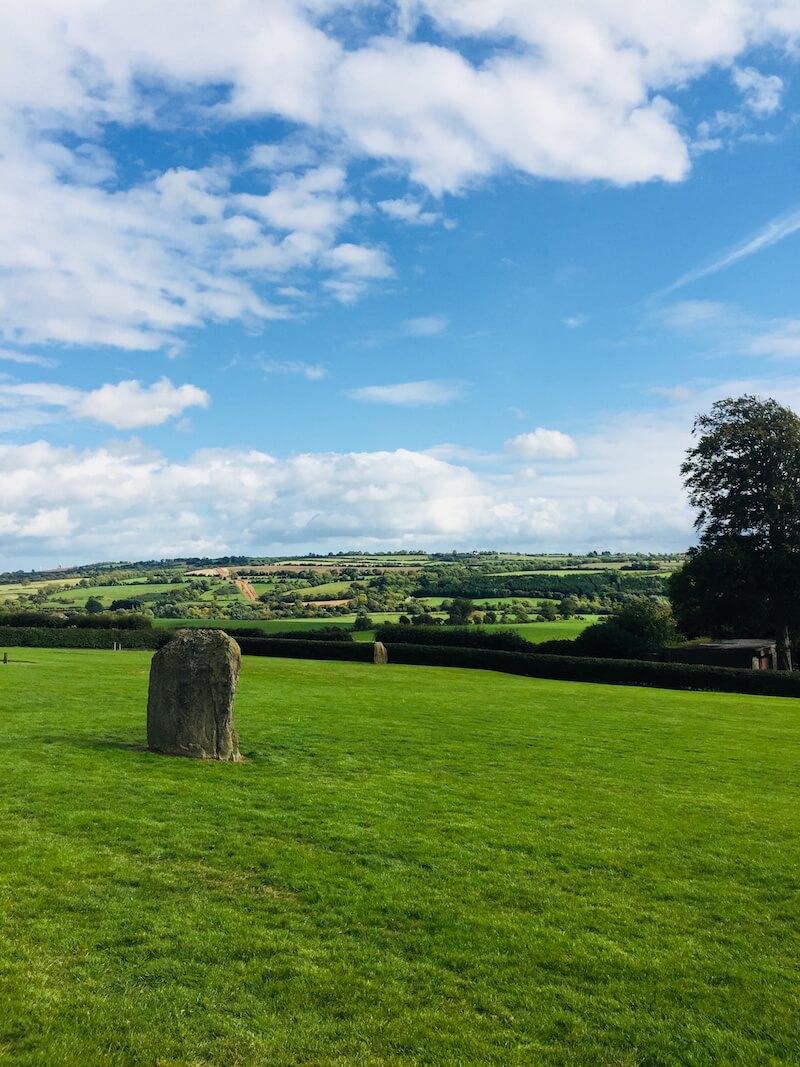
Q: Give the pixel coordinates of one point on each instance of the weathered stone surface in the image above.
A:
(379, 653)
(193, 682)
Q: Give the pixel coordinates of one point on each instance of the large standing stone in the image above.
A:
(190, 704)
(380, 653)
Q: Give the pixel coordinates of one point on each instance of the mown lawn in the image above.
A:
(416, 865)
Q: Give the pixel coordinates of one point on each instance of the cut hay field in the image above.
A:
(415, 865)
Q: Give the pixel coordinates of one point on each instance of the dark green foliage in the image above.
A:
(459, 581)
(93, 605)
(535, 665)
(107, 620)
(463, 637)
(641, 628)
(718, 593)
(301, 649)
(743, 477)
(460, 611)
(324, 633)
(608, 671)
(80, 637)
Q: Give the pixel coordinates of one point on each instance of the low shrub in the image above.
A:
(80, 637)
(460, 636)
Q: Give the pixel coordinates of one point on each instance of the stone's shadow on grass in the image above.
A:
(96, 743)
(100, 743)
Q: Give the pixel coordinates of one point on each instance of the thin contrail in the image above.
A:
(774, 231)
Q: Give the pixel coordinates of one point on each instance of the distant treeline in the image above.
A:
(544, 586)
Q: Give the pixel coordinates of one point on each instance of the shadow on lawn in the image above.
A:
(96, 743)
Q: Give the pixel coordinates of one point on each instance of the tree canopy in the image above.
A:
(743, 477)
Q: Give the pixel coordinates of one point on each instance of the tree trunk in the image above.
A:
(784, 648)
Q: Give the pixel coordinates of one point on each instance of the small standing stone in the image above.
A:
(379, 653)
(193, 682)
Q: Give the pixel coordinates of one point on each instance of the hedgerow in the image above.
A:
(461, 636)
(80, 637)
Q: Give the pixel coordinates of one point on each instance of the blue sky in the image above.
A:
(279, 276)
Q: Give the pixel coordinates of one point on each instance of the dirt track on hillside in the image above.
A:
(246, 589)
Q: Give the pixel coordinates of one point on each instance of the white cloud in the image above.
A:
(409, 394)
(312, 371)
(406, 209)
(426, 325)
(64, 504)
(762, 92)
(125, 405)
(574, 321)
(543, 444)
(688, 315)
(128, 405)
(576, 92)
(782, 341)
(26, 358)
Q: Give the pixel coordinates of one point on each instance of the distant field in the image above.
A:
(310, 592)
(563, 629)
(107, 593)
(273, 625)
(12, 590)
(415, 866)
(487, 602)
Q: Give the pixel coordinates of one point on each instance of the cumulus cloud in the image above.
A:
(762, 92)
(409, 394)
(406, 209)
(89, 255)
(125, 405)
(67, 504)
(543, 444)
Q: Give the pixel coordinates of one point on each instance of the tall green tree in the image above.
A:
(743, 477)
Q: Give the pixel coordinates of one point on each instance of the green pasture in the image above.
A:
(415, 865)
(13, 590)
(312, 592)
(106, 593)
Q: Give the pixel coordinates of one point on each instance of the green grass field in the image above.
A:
(415, 865)
(562, 629)
(107, 593)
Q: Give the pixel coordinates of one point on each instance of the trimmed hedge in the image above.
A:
(323, 633)
(100, 620)
(561, 668)
(80, 637)
(460, 636)
(608, 671)
(360, 651)
(532, 665)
